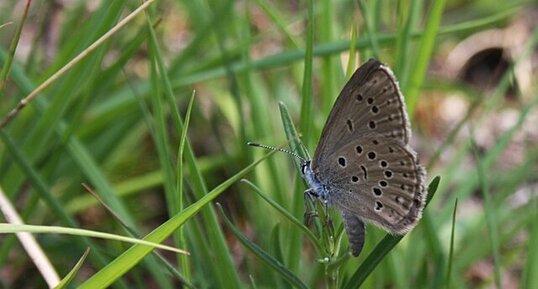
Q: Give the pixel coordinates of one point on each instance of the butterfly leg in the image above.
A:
(355, 232)
(311, 193)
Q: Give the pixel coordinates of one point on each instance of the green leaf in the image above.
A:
(451, 252)
(264, 256)
(289, 216)
(422, 58)
(296, 145)
(67, 279)
(12, 228)
(134, 255)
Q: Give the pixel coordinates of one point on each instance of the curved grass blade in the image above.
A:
(58, 74)
(306, 94)
(45, 194)
(181, 239)
(12, 228)
(286, 214)
(12, 48)
(28, 241)
(262, 255)
(67, 279)
(171, 268)
(451, 252)
(412, 88)
(292, 135)
(134, 255)
(383, 248)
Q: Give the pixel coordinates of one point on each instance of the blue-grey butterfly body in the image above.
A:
(363, 165)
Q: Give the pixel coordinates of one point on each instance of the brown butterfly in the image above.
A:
(363, 164)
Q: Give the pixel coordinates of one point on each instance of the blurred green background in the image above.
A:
(114, 121)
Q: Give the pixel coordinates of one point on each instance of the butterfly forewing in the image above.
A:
(371, 101)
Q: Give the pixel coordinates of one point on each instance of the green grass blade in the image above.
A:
(280, 22)
(370, 32)
(132, 256)
(435, 250)
(423, 56)
(44, 193)
(407, 13)
(289, 216)
(297, 204)
(352, 53)
(82, 56)
(451, 252)
(40, 185)
(182, 241)
(324, 49)
(67, 279)
(171, 268)
(264, 256)
(12, 228)
(201, 35)
(306, 94)
(330, 68)
(12, 48)
(529, 278)
(276, 252)
(292, 135)
(161, 87)
(123, 189)
(226, 275)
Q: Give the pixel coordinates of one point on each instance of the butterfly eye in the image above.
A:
(305, 166)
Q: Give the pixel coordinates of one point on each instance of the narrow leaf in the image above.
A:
(264, 256)
(67, 279)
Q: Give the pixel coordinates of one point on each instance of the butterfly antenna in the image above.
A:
(254, 144)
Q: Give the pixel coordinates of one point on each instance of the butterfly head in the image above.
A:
(317, 189)
(305, 166)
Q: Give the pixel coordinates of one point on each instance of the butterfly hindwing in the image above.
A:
(378, 179)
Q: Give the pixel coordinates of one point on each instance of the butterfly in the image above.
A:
(363, 165)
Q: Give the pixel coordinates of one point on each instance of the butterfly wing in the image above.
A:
(370, 101)
(379, 180)
(355, 232)
(363, 158)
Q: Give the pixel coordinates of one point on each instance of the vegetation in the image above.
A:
(139, 114)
